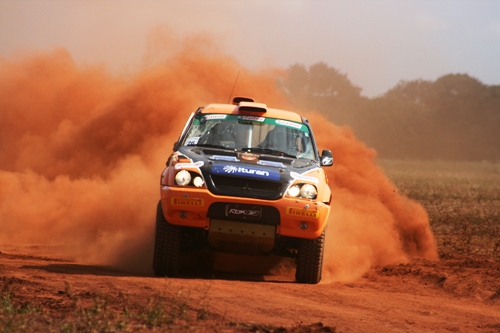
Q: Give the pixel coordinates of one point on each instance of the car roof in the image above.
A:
(246, 109)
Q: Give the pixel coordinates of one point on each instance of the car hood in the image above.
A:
(229, 172)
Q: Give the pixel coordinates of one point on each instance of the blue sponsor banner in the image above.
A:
(245, 171)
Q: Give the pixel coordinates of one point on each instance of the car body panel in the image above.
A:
(247, 186)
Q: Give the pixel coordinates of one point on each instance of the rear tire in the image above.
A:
(167, 246)
(310, 260)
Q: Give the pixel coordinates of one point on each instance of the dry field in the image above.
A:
(462, 200)
(458, 293)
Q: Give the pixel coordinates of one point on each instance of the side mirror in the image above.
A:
(326, 158)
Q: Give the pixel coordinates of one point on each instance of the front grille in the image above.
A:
(244, 187)
(270, 215)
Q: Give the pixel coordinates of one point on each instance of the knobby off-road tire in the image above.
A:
(167, 246)
(310, 260)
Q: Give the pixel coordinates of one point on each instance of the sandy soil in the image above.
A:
(459, 294)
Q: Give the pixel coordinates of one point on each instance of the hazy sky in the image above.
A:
(376, 43)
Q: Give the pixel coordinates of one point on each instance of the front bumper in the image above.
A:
(188, 207)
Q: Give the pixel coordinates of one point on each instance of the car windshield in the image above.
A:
(251, 134)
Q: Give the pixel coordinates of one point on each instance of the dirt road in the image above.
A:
(451, 295)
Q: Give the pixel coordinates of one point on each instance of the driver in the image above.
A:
(299, 144)
(229, 134)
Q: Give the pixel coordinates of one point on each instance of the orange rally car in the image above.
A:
(245, 179)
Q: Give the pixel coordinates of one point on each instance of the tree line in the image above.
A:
(455, 117)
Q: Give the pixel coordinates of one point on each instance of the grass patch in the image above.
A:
(461, 198)
(70, 312)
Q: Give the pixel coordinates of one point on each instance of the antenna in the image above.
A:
(234, 85)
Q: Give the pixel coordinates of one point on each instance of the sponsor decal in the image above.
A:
(302, 212)
(192, 141)
(246, 212)
(228, 169)
(288, 123)
(224, 158)
(252, 118)
(271, 163)
(298, 176)
(327, 160)
(179, 166)
(212, 117)
(180, 201)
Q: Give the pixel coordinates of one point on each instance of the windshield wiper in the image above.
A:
(268, 151)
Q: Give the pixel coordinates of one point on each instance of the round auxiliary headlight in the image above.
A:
(294, 191)
(308, 191)
(182, 178)
(198, 181)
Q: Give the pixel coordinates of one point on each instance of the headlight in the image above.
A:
(294, 191)
(308, 191)
(198, 181)
(182, 178)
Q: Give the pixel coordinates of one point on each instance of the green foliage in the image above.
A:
(321, 86)
(455, 117)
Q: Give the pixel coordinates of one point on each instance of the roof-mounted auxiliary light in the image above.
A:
(247, 104)
(252, 107)
(239, 99)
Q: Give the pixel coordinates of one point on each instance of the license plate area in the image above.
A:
(243, 212)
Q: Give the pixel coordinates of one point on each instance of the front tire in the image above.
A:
(310, 260)
(167, 246)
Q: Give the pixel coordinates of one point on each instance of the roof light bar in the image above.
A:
(238, 100)
(252, 107)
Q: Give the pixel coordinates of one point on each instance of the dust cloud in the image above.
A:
(371, 223)
(82, 151)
